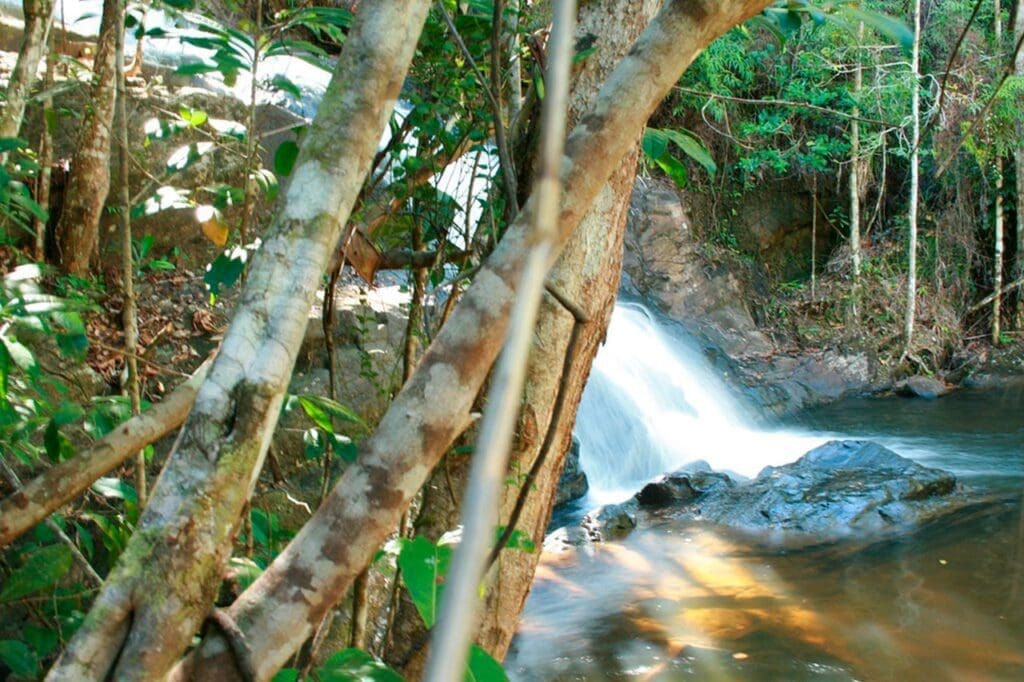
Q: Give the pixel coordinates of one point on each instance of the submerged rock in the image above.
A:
(610, 522)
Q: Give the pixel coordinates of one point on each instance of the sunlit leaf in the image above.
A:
(355, 665)
(481, 667)
(424, 566)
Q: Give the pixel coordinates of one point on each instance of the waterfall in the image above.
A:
(654, 403)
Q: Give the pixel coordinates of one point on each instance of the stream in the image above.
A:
(691, 600)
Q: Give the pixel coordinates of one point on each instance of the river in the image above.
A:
(696, 601)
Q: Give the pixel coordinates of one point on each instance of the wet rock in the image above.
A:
(921, 386)
(566, 538)
(610, 522)
(839, 489)
(683, 486)
(573, 484)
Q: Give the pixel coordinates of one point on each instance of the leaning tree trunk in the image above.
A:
(38, 19)
(278, 612)
(164, 584)
(79, 225)
(587, 274)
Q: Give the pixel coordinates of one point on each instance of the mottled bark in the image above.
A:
(38, 19)
(279, 611)
(915, 171)
(588, 274)
(89, 183)
(57, 486)
(164, 583)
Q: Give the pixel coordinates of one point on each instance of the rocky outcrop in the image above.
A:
(842, 489)
(667, 264)
(920, 386)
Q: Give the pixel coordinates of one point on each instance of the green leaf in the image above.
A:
(674, 169)
(693, 146)
(887, 26)
(654, 143)
(355, 665)
(41, 569)
(284, 158)
(286, 675)
(518, 540)
(321, 409)
(193, 117)
(115, 488)
(58, 446)
(481, 667)
(424, 566)
(21, 356)
(225, 270)
(18, 657)
(313, 443)
(43, 640)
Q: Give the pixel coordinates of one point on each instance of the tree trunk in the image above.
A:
(855, 175)
(278, 612)
(165, 582)
(89, 183)
(915, 136)
(997, 238)
(38, 19)
(1018, 269)
(588, 274)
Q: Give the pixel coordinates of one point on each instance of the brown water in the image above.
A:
(695, 601)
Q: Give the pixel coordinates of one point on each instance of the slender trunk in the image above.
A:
(38, 19)
(1018, 155)
(165, 581)
(129, 314)
(915, 137)
(249, 208)
(277, 613)
(997, 260)
(814, 239)
(89, 183)
(855, 179)
(45, 158)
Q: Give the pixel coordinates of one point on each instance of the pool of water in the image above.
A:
(696, 601)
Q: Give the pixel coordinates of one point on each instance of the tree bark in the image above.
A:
(38, 19)
(279, 611)
(855, 174)
(1018, 269)
(165, 581)
(89, 183)
(915, 137)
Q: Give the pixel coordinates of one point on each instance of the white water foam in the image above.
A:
(654, 403)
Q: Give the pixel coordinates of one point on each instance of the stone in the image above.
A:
(610, 522)
(573, 484)
(839, 489)
(683, 486)
(921, 386)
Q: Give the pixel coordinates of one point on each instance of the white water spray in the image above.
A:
(654, 403)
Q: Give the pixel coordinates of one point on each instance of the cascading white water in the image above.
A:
(653, 403)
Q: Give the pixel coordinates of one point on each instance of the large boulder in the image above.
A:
(841, 489)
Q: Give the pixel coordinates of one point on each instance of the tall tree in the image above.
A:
(38, 16)
(856, 181)
(1018, 269)
(164, 583)
(278, 612)
(997, 237)
(89, 184)
(915, 138)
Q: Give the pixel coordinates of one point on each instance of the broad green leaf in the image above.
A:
(18, 657)
(284, 158)
(321, 409)
(225, 270)
(193, 117)
(286, 675)
(43, 640)
(41, 569)
(355, 665)
(58, 446)
(674, 169)
(115, 488)
(21, 355)
(481, 667)
(654, 143)
(693, 146)
(424, 566)
(887, 26)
